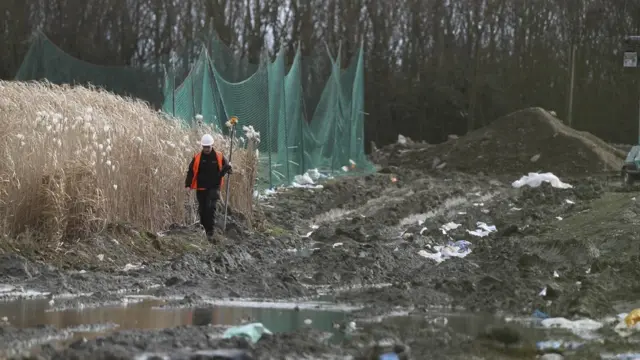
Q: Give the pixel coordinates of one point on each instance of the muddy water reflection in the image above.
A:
(146, 315)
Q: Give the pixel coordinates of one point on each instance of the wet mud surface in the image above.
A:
(364, 241)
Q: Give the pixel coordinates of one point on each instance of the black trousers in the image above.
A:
(207, 200)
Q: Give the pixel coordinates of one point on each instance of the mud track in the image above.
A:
(363, 248)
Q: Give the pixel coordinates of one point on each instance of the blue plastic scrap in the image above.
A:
(389, 356)
(462, 245)
(540, 315)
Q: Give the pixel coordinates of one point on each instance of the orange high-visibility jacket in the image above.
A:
(196, 166)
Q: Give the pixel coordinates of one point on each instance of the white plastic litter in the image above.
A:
(129, 267)
(445, 252)
(402, 140)
(543, 292)
(304, 179)
(449, 226)
(314, 174)
(536, 179)
(295, 185)
(584, 328)
(483, 229)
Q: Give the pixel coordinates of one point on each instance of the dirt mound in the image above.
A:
(528, 140)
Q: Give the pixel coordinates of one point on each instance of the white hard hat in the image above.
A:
(207, 140)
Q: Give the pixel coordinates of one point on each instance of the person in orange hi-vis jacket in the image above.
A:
(206, 175)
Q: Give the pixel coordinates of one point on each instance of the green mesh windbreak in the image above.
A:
(303, 125)
(46, 61)
(273, 101)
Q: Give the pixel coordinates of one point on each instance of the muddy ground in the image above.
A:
(366, 231)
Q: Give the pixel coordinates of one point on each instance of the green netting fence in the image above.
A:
(46, 61)
(273, 101)
(273, 98)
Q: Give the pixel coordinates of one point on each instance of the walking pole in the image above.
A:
(233, 121)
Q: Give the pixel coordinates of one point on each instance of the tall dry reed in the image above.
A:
(74, 159)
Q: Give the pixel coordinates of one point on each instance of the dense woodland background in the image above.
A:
(433, 67)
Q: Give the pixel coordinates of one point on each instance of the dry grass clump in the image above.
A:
(74, 159)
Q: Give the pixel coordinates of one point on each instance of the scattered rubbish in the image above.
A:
(583, 328)
(423, 230)
(463, 245)
(551, 356)
(100, 257)
(314, 174)
(555, 274)
(402, 140)
(389, 356)
(304, 179)
(558, 345)
(130, 267)
(536, 179)
(482, 230)
(515, 209)
(569, 201)
(540, 315)
(559, 218)
(307, 234)
(337, 244)
(632, 318)
(308, 321)
(543, 292)
(252, 332)
(443, 253)
(626, 356)
(535, 158)
(449, 226)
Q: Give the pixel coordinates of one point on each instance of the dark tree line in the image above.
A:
(433, 67)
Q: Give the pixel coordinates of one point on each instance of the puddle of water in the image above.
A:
(146, 314)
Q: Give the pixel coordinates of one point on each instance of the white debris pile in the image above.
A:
(536, 179)
(308, 179)
(448, 227)
(584, 328)
(458, 249)
(483, 229)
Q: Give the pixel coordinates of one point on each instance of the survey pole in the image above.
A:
(630, 60)
(572, 82)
